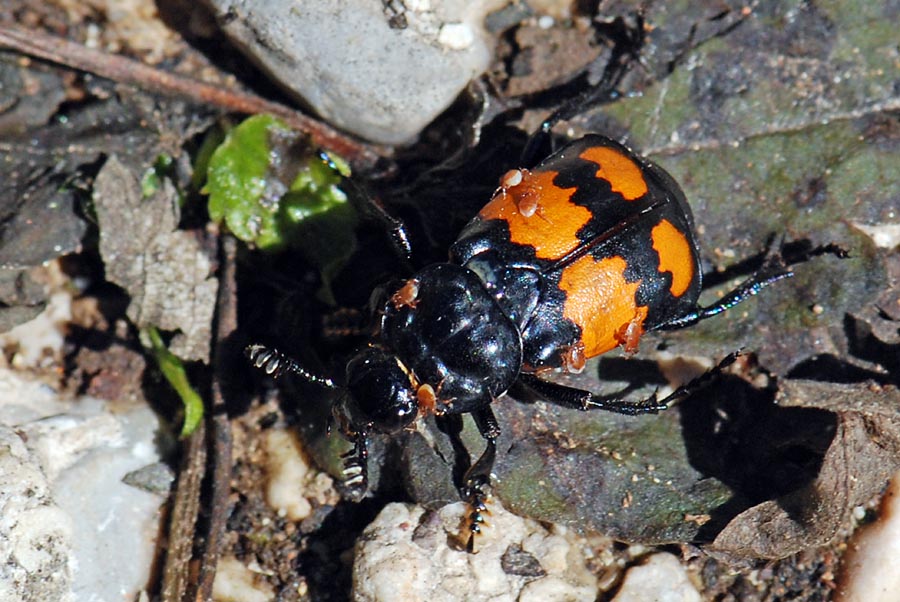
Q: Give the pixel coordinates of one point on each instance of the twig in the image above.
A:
(127, 71)
(220, 449)
(179, 551)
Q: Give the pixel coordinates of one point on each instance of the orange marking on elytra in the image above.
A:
(539, 213)
(675, 255)
(624, 175)
(602, 302)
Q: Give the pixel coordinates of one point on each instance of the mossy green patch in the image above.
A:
(272, 191)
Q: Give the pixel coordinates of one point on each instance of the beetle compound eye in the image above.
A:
(381, 395)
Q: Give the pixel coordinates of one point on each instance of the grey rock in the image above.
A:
(380, 70)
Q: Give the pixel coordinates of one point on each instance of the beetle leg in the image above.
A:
(774, 268)
(472, 480)
(369, 206)
(627, 40)
(477, 479)
(452, 425)
(356, 467)
(346, 322)
(579, 399)
(396, 231)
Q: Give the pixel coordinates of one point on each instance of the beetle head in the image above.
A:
(380, 395)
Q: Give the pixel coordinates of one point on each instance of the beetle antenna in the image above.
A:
(276, 364)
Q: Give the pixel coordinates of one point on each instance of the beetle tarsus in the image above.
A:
(476, 500)
(356, 472)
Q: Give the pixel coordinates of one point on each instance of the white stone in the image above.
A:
(236, 583)
(70, 529)
(885, 236)
(456, 36)
(41, 339)
(292, 482)
(35, 534)
(869, 572)
(660, 578)
(405, 555)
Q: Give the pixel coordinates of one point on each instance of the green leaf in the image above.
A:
(237, 184)
(263, 182)
(272, 191)
(153, 177)
(211, 141)
(173, 369)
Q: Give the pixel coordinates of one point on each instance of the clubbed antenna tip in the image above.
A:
(276, 364)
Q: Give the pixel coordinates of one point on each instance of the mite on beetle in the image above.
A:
(571, 258)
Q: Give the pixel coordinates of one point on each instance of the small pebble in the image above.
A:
(235, 582)
(660, 578)
(870, 572)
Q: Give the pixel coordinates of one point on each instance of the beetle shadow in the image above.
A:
(732, 432)
(863, 345)
(736, 434)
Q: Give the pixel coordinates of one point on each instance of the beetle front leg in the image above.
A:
(473, 480)
(356, 467)
(477, 480)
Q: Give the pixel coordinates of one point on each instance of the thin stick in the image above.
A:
(220, 424)
(127, 71)
(185, 508)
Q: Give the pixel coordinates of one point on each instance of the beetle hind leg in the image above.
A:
(775, 267)
(626, 37)
(580, 399)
